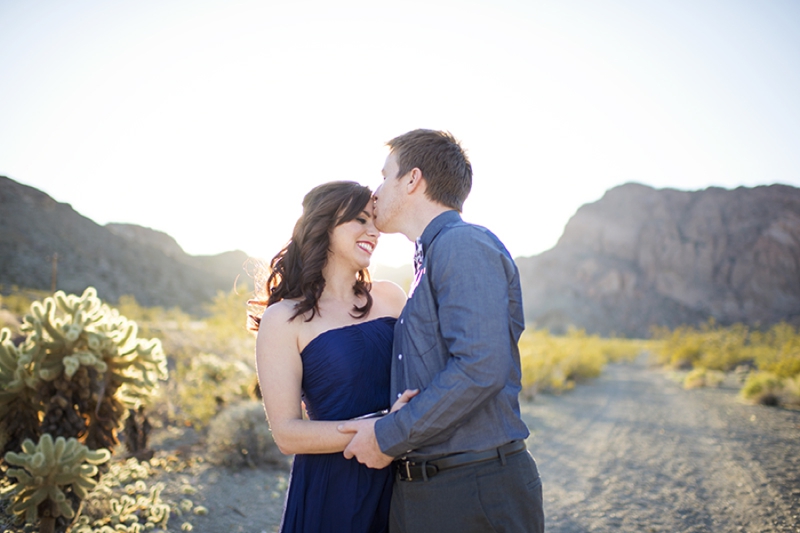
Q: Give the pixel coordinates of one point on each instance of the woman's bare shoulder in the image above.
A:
(278, 318)
(389, 297)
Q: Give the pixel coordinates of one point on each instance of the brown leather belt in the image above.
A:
(410, 470)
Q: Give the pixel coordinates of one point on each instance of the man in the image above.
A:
(461, 460)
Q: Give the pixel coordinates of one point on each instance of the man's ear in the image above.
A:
(415, 181)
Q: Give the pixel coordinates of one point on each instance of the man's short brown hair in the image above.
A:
(441, 159)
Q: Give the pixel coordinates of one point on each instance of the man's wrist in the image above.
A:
(390, 436)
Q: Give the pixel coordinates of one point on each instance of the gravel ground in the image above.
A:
(633, 451)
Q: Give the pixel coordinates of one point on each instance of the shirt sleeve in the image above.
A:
(469, 276)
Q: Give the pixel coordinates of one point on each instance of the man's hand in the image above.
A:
(404, 398)
(364, 445)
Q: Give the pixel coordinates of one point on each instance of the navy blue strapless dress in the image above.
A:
(345, 374)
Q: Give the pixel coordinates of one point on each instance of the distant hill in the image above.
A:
(637, 257)
(117, 259)
(640, 257)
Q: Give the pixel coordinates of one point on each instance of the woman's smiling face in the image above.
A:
(356, 239)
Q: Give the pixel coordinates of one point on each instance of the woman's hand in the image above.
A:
(404, 399)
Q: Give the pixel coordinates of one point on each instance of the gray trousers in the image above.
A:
(483, 497)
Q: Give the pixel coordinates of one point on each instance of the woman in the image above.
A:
(325, 338)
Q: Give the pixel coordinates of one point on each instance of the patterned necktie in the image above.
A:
(417, 256)
(418, 270)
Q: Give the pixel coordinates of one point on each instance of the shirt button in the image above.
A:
(400, 356)
(399, 394)
(401, 320)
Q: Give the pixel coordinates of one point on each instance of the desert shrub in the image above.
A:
(555, 363)
(680, 348)
(18, 301)
(226, 312)
(152, 320)
(762, 387)
(617, 349)
(208, 383)
(791, 392)
(210, 356)
(702, 377)
(779, 351)
(724, 348)
(775, 353)
(239, 436)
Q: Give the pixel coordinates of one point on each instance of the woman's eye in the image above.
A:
(361, 220)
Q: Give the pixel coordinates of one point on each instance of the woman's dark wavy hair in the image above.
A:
(296, 271)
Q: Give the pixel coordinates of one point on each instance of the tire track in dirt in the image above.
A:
(632, 451)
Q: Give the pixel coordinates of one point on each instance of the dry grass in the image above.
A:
(555, 363)
(767, 361)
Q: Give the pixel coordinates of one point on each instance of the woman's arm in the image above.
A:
(280, 374)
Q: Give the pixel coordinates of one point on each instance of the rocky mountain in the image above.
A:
(640, 257)
(117, 259)
(637, 257)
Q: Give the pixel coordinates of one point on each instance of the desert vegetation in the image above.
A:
(84, 384)
(553, 363)
(765, 362)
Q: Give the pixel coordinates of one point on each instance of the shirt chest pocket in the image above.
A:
(423, 342)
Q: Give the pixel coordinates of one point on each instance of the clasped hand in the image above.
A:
(364, 444)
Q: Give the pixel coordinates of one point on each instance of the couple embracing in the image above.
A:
(412, 414)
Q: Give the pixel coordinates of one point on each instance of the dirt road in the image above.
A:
(633, 452)
(628, 452)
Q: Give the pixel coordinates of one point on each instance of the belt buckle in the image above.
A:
(407, 464)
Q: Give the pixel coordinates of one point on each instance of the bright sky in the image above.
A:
(210, 120)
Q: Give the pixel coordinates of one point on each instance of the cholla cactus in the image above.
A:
(131, 513)
(127, 510)
(48, 470)
(80, 368)
(19, 418)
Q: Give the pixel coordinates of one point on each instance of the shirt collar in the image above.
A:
(436, 225)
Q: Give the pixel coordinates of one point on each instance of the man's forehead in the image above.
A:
(390, 162)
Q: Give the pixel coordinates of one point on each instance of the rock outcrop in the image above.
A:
(117, 259)
(640, 257)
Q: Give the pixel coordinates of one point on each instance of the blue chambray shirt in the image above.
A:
(456, 341)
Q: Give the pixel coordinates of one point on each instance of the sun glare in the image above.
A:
(210, 121)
